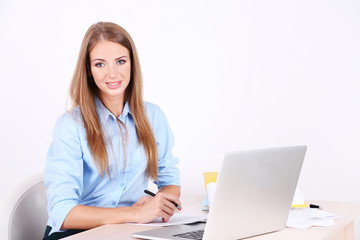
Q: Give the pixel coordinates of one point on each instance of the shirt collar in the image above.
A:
(104, 113)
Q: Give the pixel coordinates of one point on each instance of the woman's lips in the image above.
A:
(113, 85)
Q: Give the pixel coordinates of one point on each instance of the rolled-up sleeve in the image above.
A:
(168, 172)
(63, 173)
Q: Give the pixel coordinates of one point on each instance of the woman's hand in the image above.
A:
(142, 201)
(149, 208)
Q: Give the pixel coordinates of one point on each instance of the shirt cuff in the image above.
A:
(169, 178)
(59, 212)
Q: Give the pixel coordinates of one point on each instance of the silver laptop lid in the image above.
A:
(253, 195)
(254, 192)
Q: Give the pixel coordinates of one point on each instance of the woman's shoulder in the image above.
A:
(70, 119)
(73, 114)
(153, 109)
(154, 112)
(151, 106)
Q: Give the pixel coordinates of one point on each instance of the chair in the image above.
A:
(26, 210)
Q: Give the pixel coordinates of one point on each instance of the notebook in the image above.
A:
(253, 196)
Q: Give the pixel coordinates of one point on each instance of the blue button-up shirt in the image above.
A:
(72, 177)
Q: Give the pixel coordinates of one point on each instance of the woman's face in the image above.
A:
(111, 69)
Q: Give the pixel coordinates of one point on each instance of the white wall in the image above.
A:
(228, 74)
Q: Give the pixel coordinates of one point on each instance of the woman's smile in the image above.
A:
(113, 85)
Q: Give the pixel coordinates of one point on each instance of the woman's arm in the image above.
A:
(171, 189)
(86, 217)
(144, 211)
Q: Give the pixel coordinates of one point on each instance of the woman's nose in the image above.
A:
(112, 71)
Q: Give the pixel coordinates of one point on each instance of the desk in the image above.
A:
(342, 230)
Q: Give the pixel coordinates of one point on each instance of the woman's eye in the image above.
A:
(121, 61)
(99, 64)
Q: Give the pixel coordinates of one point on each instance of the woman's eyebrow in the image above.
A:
(98, 59)
(121, 57)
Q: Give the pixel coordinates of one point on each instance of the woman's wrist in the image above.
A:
(171, 189)
(126, 214)
(135, 214)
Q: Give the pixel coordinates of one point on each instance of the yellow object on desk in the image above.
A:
(299, 200)
(304, 205)
(210, 177)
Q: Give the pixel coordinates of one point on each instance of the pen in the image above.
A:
(314, 206)
(153, 195)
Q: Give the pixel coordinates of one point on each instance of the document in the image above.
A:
(176, 219)
(210, 192)
(303, 218)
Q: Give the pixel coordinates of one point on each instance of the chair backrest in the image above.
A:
(27, 210)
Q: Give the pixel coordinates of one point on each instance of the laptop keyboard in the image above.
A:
(191, 235)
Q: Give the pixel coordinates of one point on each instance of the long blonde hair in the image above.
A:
(83, 91)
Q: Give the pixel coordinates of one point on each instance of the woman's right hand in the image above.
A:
(149, 208)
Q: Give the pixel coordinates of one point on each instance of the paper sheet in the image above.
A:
(176, 219)
(303, 218)
(210, 192)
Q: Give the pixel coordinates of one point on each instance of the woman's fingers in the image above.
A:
(162, 205)
(142, 201)
(168, 207)
(171, 200)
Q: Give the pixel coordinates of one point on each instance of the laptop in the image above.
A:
(253, 196)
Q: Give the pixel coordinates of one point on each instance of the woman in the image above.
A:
(108, 146)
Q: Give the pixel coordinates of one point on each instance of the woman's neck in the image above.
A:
(115, 105)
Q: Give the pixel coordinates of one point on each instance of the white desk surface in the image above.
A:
(342, 230)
